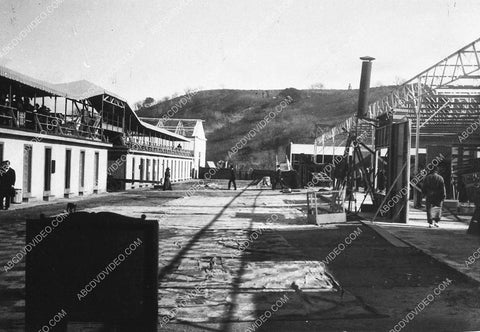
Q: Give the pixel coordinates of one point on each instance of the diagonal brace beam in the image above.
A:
(436, 112)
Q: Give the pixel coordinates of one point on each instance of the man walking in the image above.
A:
(232, 178)
(434, 190)
(7, 181)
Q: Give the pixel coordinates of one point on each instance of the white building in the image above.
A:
(75, 139)
(54, 154)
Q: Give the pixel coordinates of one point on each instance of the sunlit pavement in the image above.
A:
(245, 259)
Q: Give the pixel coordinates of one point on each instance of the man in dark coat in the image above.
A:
(167, 185)
(434, 190)
(232, 178)
(7, 181)
(278, 179)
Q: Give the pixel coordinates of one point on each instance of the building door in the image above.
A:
(142, 168)
(96, 171)
(68, 168)
(133, 169)
(47, 174)
(148, 170)
(27, 169)
(1, 152)
(82, 170)
(154, 170)
(174, 172)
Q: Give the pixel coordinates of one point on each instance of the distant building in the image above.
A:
(193, 130)
(319, 154)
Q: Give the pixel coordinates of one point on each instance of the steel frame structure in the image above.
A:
(448, 92)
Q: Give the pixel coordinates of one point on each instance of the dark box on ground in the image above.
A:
(113, 259)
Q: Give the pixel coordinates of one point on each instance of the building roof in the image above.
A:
(310, 149)
(162, 130)
(79, 90)
(185, 127)
(83, 89)
(30, 81)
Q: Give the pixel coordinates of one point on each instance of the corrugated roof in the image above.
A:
(78, 90)
(83, 89)
(30, 81)
(171, 124)
(163, 131)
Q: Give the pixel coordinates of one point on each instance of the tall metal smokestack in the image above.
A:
(362, 111)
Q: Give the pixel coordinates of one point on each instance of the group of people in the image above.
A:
(277, 179)
(7, 181)
(433, 189)
(24, 110)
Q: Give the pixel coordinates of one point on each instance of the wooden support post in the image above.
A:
(123, 120)
(333, 143)
(323, 149)
(101, 120)
(416, 193)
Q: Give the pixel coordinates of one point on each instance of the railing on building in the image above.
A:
(52, 124)
(152, 147)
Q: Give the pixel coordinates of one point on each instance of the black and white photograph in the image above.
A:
(239, 166)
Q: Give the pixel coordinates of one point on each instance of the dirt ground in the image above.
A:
(364, 284)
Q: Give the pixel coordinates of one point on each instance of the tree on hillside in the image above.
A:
(148, 102)
(319, 86)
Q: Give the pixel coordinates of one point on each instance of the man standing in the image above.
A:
(167, 185)
(434, 190)
(278, 179)
(232, 178)
(7, 181)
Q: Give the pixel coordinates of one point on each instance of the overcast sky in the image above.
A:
(155, 48)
